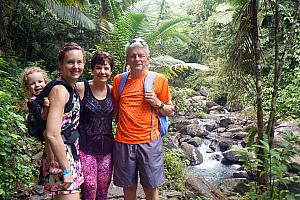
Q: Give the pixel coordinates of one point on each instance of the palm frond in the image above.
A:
(140, 20)
(240, 69)
(114, 10)
(167, 29)
(70, 13)
(151, 9)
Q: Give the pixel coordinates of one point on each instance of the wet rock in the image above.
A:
(232, 154)
(195, 141)
(208, 124)
(180, 123)
(225, 145)
(191, 153)
(225, 122)
(221, 129)
(213, 144)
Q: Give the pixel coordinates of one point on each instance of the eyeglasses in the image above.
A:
(143, 43)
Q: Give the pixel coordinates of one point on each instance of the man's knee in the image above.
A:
(130, 193)
(130, 189)
(151, 193)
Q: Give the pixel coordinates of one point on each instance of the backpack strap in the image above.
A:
(149, 81)
(148, 87)
(123, 79)
(47, 89)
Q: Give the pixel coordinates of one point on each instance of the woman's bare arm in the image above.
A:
(58, 97)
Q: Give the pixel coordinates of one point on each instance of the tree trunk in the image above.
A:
(261, 180)
(279, 61)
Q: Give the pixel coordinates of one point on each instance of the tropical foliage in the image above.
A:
(244, 43)
(17, 171)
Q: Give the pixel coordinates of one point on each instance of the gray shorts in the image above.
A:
(146, 159)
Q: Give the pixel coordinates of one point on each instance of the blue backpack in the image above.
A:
(163, 120)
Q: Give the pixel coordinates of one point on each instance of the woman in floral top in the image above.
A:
(60, 118)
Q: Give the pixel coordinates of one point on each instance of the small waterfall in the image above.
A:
(207, 153)
(212, 169)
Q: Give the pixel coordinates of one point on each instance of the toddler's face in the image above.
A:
(36, 83)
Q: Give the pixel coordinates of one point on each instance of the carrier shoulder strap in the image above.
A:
(45, 93)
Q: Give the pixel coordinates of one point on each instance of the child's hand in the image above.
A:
(46, 102)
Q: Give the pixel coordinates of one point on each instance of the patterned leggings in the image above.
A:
(97, 172)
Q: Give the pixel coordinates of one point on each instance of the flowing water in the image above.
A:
(212, 169)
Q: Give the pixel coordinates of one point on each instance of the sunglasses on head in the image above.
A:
(105, 53)
(143, 43)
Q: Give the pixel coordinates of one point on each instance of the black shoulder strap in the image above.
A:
(45, 92)
(86, 87)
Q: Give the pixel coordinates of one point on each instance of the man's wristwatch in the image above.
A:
(161, 105)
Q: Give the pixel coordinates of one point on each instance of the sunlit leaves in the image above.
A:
(70, 13)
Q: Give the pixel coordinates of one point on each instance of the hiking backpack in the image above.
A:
(35, 124)
(163, 120)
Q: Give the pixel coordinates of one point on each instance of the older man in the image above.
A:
(139, 148)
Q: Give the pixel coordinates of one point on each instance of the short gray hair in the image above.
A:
(137, 42)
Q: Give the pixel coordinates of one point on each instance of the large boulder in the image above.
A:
(191, 153)
(180, 123)
(202, 187)
(194, 130)
(234, 186)
(232, 154)
(195, 141)
(208, 124)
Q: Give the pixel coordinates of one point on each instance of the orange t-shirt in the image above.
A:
(134, 123)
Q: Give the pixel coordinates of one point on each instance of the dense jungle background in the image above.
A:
(246, 52)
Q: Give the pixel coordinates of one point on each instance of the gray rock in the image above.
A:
(235, 129)
(232, 154)
(240, 174)
(225, 122)
(197, 99)
(210, 104)
(232, 186)
(203, 91)
(291, 126)
(180, 123)
(194, 130)
(239, 135)
(195, 141)
(225, 145)
(202, 187)
(191, 153)
(185, 138)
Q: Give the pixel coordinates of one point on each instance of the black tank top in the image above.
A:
(95, 125)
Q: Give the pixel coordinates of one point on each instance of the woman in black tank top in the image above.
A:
(95, 128)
